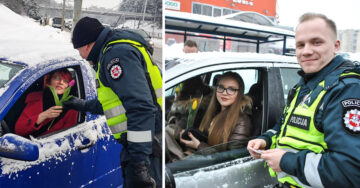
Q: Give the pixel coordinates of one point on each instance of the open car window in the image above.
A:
(253, 87)
(16, 110)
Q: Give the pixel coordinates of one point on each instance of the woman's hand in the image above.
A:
(52, 112)
(193, 143)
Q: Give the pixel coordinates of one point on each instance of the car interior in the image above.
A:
(9, 121)
(253, 88)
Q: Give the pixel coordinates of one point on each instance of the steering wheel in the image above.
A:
(4, 128)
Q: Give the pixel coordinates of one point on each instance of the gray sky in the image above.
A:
(345, 13)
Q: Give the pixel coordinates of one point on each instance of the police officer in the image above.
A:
(129, 89)
(317, 142)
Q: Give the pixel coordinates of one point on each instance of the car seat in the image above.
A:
(255, 93)
(216, 79)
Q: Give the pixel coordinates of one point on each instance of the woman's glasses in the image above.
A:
(229, 91)
(59, 78)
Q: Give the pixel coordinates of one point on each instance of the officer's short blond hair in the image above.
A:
(310, 16)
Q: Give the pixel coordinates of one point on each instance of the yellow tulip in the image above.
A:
(194, 105)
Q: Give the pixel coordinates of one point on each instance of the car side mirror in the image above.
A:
(16, 147)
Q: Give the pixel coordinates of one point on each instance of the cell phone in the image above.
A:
(256, 151)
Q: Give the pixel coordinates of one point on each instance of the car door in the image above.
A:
(266, 84)
(73, 157)
(199, 169)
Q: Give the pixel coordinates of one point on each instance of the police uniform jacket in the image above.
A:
(130, 86)
(339, 165)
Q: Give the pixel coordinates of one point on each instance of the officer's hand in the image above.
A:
(140, 176)
(76, 104)
(257, 144)
(273, 158)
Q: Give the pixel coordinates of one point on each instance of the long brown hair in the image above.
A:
(224, 122)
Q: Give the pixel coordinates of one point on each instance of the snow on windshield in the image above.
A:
(57, 146)
(23, 39)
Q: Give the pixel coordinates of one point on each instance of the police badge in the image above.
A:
(351, 115)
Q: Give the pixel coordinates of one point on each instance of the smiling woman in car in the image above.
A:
(44, 114)
(227, 118)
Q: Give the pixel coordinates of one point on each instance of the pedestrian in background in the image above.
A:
(190, 46)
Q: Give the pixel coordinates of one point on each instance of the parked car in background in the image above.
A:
(268, 79)
(69, 23)
(85, 155)
(145, 35)
(56, 22)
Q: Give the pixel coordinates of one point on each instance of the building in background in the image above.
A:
(223, 7)
(249, 11)
(350, 40)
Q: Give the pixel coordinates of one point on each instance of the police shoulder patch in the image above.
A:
(351, 115)
(116, 71)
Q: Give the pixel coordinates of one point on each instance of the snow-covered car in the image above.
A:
(268, 79)
(85, 155)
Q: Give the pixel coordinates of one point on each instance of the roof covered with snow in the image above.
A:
(206, 24)
(23, 39)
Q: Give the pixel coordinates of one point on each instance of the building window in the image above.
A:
(226, 11)
(217, 12)
(207, 10)
(196, 8)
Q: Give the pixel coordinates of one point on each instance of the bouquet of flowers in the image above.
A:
(65, 97)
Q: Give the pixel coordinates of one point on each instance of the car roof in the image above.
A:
(202, 24)
(41, 53)
(24, 40)
(188, 62)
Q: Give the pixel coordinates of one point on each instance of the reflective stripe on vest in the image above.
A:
(298, 131)
(115, 112)
(113, 108)
(153, 70)
(139, 136)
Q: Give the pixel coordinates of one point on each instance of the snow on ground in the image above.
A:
(23, 39)
(149, 27)
(173, 50)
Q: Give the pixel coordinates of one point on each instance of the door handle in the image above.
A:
(87, 143)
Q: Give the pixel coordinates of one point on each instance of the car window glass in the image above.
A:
(7, 71)
(289, 78)
(169, 92)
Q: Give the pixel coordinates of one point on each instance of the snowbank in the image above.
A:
(22, 39)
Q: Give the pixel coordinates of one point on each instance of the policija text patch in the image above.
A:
(351, 115)
(298, 121)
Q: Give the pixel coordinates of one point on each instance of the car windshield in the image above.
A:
(7, 71)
